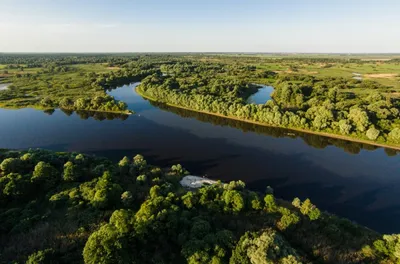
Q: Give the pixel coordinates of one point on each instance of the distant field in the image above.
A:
(383, 72)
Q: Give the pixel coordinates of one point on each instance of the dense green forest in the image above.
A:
(76, 208)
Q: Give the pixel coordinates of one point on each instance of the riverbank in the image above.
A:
(324, 134)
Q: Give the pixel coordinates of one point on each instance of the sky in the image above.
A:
(309, 26)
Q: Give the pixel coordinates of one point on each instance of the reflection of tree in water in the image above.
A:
(67, 112)
(313, 140)
(49, 111)
(100, 116)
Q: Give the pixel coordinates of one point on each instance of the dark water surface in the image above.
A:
(353, 180)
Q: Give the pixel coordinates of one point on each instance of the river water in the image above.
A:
(352, 180)
(261, 96)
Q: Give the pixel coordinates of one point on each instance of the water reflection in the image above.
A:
(86, 114)
(312, 140)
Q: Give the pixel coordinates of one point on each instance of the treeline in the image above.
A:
(305, 102)
(75, 208)
(41, 60)
(99, 103)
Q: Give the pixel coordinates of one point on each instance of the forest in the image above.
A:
(61, 207)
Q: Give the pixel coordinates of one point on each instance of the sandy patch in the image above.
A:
(310, 72)
(114, 68)
(287, 71)
(377, 59)
(191, 181)
(382, 75)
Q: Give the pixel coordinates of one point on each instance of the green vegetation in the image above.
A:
(70, 83)
(365, 110)
(315, 93)
(75, 208)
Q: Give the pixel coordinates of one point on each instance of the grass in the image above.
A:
(28, 91)
(338, 69)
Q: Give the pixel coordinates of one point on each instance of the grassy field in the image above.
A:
(385, 73)
(73, 84)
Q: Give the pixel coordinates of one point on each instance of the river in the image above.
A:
(352, 180)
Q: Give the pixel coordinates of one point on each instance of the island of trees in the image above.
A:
(77, 208)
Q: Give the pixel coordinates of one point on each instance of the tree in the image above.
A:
(141, 178)
(66, 102)
(45, 175)
(233, 201)
(122, 220)
(47, 102)
(296, 202)
(270, 204)
(13, 184)
(10, 165)
(264, 247)
(127, 199)
(359, 118)
(80, 103)
(372, 133)
(394, 135)
(307, 208)
(344, 127)
(107, 193)
(106, 246)
(124, 165)
(71, 172)
(179, 170)
(139, 162)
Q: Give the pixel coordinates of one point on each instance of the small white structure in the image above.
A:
(192, 181)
